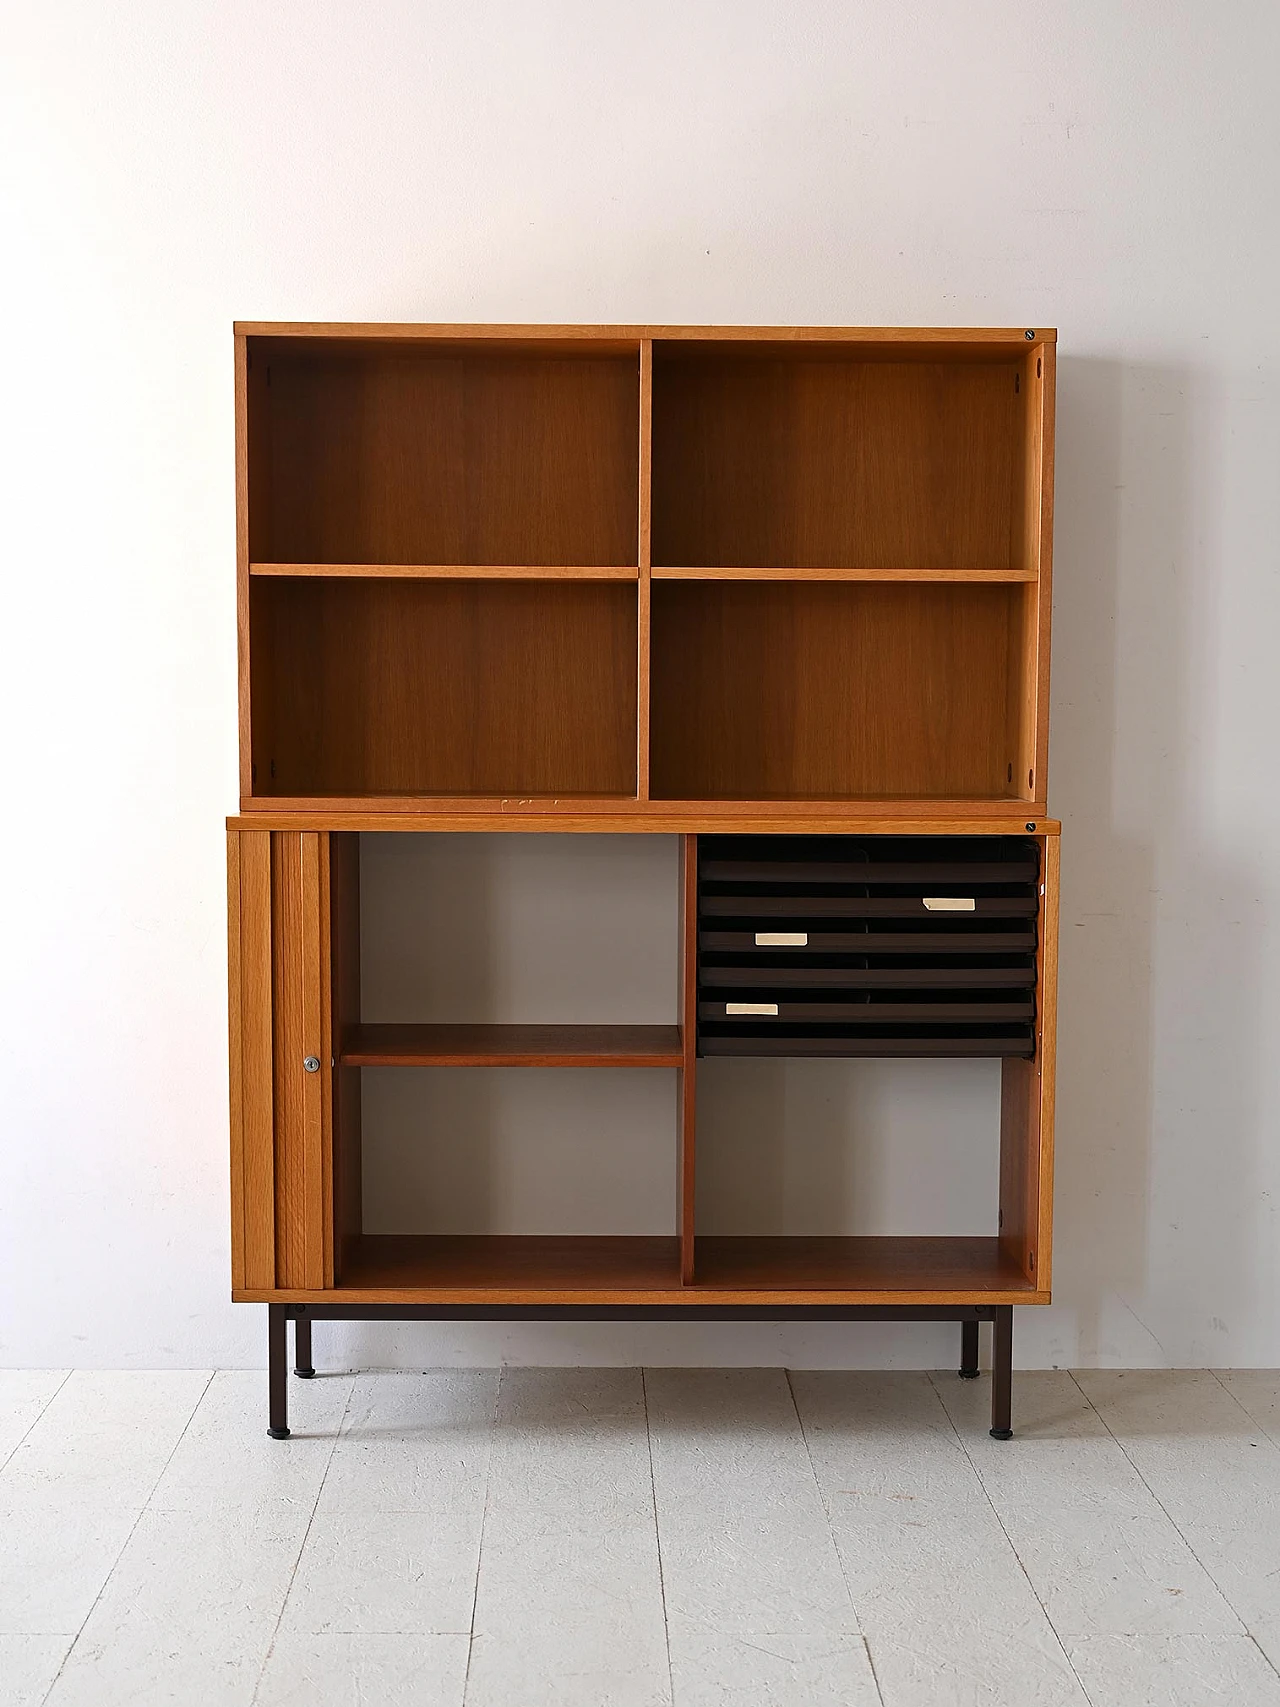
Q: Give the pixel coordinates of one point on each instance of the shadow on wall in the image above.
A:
(1156, 1109)
(1158, 1232)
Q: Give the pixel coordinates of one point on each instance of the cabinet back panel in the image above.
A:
(443, 687)
(768, 690)
(803, 463)
(413, 456)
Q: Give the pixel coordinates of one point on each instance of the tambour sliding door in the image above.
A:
(281, 1053)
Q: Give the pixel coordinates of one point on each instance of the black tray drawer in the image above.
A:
(878, 945)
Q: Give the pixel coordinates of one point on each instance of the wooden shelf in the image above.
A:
(511, 1267)
(451, 571)
(703, 582)
(936, 1267)
(511, 1046)
(774, 572)
(486, 1268)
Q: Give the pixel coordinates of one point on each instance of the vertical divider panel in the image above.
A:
(253, 1064)
(688, 1073)
(300, 989)
(344, 879)
(645, 559)
(1026, 1106)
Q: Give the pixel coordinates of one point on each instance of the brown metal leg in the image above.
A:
(302, 1364)
(1002, 1373)
(277, 1374)
(968, 1351)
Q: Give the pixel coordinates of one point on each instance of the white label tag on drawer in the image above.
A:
(751, 1008)
(782, 939)
(950, 903)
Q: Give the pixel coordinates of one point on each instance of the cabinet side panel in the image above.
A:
(257, 1062)
(1026, 1108)
(1044, 586)
(253, 495)
(1032, 547)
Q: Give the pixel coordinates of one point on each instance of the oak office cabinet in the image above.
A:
(782, 593)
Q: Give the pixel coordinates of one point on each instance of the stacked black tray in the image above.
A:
(867, 945)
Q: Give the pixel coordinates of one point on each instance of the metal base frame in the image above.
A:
(968, 1315)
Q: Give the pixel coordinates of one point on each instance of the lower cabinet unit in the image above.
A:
(860, 945)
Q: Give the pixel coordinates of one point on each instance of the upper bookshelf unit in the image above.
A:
(626, 571)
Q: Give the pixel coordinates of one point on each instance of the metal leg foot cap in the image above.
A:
(1002, 1434)
(304, 1374)
(278, 1433)
(968, 1374)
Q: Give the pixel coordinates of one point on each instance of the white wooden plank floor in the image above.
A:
(628, 1538)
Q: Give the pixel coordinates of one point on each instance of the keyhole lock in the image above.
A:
(312, 1063)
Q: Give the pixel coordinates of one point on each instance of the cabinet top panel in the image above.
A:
(940, 339)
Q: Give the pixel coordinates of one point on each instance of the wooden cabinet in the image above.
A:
(781, 593)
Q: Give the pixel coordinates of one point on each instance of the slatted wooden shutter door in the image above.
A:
(282, 1237)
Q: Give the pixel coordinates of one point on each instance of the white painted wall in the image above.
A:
(1112, 170)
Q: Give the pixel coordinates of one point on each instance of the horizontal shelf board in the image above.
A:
(761, 572)
(513, 1263)
(623, 814)
(866, 1048)
(451, 571)
(932, 1265)
(512, 1046)
(539, 336)
(530, 1269)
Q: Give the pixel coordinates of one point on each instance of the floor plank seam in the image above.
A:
(986, 1494)
(1230, 1604)
(35, 1419)
(484, 1519)
(142, 1511)
(826, 1511)
(1253, 1421)
(302, 1545)
(1266, 1435)
(657, 1537)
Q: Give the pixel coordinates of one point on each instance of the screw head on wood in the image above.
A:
(1031, 826)
(312, 1064)
(1029, 334)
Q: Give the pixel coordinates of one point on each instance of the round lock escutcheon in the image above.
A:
(312, 1063)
